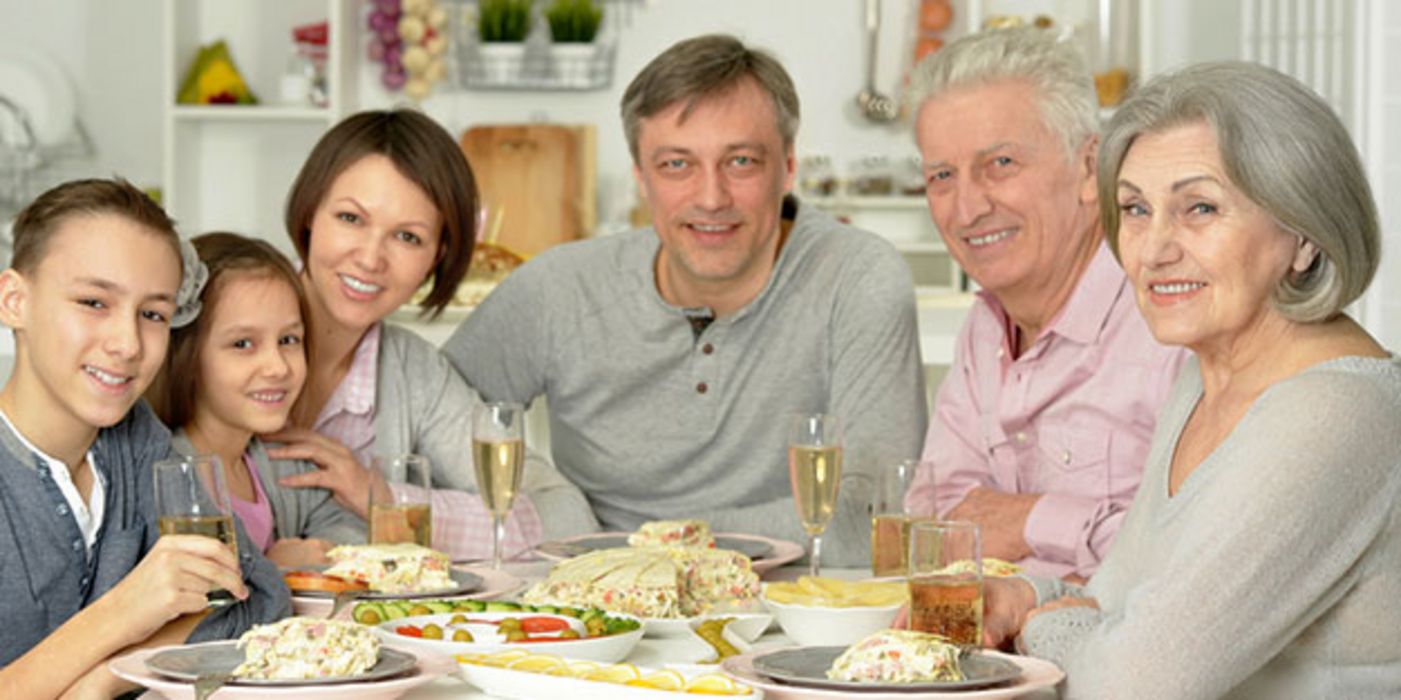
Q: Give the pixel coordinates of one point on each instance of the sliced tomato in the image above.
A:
(316, 581)
(538, 625)
(409, 631)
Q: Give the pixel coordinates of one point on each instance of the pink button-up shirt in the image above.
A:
(1071, 418)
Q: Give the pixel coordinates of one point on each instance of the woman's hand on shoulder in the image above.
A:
(339, 472)
(172, 580)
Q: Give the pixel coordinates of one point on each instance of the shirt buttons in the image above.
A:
(1065, 457)
(77, 545)
(63, 510)
(1001, 352)
(707, 348)
(702, 388)
(84, 582)
(1021, 437)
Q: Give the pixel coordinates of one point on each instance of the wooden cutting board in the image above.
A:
(538, 180)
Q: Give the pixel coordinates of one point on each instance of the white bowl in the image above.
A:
(610, 649)
(810, 625)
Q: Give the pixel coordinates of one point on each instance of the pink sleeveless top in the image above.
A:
(256, 515)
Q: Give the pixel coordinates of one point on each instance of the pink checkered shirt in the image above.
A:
(461, 523)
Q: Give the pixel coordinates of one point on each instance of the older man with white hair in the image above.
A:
(1040, 430)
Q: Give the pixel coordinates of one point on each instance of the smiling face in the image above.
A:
(1013, 208)
(715, 181)
(92, 323)
(251, 359)
(374, 239)
(1204, 259)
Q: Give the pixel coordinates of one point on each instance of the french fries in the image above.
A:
(817, 591)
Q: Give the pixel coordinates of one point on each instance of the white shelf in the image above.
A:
(847, 202)
(247, 113)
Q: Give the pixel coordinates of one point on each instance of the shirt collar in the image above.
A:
(356, 393)
(1088, 307)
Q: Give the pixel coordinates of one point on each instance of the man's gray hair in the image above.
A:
(702, 67)
(1286, 150)
(1065, 88)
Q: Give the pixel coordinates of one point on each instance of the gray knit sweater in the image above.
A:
(1274, 572)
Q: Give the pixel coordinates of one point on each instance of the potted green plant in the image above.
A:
(502, 25)
(573, 27)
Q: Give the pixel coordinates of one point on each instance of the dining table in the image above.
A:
(654, 652)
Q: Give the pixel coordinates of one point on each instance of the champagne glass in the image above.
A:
(498, 452)
(815, 471)
(192, 499)
(407, 515)
(891, 519)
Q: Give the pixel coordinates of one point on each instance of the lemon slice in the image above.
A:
(616, 673)
(714, 684)
(473, 658)
(661, 680)
(502, 658)
(539, 663)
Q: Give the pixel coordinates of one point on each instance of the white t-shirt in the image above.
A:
(88, 515)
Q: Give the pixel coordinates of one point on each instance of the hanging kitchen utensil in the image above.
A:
(876, 106)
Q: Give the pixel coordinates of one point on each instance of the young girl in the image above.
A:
(90, 295)
(385, 203)
(235, 372)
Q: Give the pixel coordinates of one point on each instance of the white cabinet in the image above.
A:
(228, 167)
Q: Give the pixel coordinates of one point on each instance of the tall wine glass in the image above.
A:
(193, 499)
(815, 470)
(498, 452)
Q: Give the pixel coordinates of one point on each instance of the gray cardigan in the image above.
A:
(45, 575)
(425, 407)
(296, 512)
(1273, 572)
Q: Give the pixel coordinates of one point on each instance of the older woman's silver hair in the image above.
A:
(1066, 90)
(1286, 150)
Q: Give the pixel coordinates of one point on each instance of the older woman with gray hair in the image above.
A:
(1261, 555)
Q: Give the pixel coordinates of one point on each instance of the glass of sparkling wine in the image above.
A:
(192, 499)
(815, 471)
(498, 453)
(946, 580)
(407, 516)
(891, 518)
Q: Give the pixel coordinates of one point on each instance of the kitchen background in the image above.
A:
(111, 71)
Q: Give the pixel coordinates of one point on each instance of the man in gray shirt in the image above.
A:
(674, 357)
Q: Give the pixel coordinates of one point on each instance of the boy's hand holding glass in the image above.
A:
(192, 499)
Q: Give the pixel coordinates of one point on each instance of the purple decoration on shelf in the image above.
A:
(390, 34)
(393, 78)
(376, 50)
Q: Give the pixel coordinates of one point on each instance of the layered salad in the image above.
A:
(392, 568)
(898, 656)
(661, 582)
(301, 648)
(672, 533)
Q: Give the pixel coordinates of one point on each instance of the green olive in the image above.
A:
(369, 617)
(462, 636)
(420, 610)
(508, 623)
(431, 631)
(458, 619)
(516, 635)
(569, 634)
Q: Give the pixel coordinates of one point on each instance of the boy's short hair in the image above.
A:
(36, 223)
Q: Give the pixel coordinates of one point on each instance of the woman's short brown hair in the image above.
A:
(175, 389)
(36, 223)
(423, 152)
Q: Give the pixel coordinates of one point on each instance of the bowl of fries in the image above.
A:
(820, 611)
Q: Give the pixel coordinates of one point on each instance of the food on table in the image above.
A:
(597, 623)
(898, 656)
(820, 591)
(996, 568)
(315, 581)
(623, 673)
(299, 648)
(392, 568)
(672, 533)
(664, 582)
(712, 631)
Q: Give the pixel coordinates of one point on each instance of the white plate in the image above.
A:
(189, 662)
(38, 85)
(495, 584)
(505, 683)
(132, 667)
(780, 552)
(1036, 674)
(464, 582)
(610, 649)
